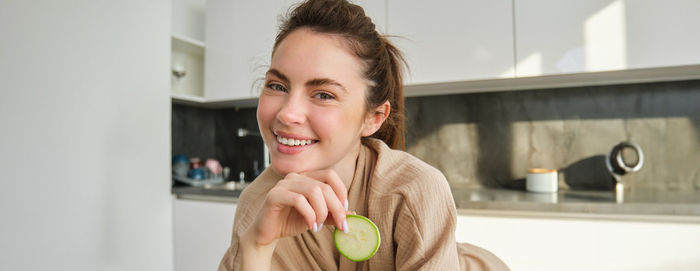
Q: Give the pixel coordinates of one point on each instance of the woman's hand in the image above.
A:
(300, 202)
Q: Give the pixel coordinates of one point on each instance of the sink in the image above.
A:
(232, 186)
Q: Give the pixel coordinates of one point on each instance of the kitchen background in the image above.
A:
(98, 96)
(213, 133)
(491, 139)
(495, 88)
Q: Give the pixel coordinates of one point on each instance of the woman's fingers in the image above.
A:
(308, 198)
(313, 191)
(321, 189)
(331, 178)
(299, 201)
(337, 191)
(334, 206)
(320, 195)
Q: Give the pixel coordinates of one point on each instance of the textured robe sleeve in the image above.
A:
(231, 259)
(473, 258)
(425, 227)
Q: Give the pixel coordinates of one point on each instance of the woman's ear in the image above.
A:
(375, 118)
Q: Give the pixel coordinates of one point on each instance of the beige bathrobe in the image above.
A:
(409, 201)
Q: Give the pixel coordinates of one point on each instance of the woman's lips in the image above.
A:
(292, 144)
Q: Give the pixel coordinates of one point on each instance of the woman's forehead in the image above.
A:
(305, 53)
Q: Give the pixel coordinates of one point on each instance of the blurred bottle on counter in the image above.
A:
(227, 173)
(195, 162)
(241, 181)
(181, 164)
(214, 168)
(196, 171)
(256, 170)
(197, 174)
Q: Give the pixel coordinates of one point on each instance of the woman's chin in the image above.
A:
(285, 168)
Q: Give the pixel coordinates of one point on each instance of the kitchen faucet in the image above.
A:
(245, 132)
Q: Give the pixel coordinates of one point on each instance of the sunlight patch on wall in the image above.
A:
(605, 38)
(530, 66)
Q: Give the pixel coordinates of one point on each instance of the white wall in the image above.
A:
(85, 135)
(543, 244)
(188, 18)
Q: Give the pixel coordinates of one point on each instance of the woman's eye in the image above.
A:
(276, 87)
(324, 96)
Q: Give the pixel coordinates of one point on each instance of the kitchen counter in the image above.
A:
(468, 200)
(220, 192)
(633, 202)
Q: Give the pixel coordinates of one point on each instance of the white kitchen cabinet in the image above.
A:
(453, 40)
(587, 242)
(558, 37)
(240, 35)
(187, 49)
(202, 233)
(188, 17)
(187, 65)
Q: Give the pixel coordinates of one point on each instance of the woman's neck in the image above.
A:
(345, 168)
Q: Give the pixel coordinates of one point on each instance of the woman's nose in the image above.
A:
(293, 111)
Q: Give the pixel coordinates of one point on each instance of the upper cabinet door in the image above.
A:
(240, 35)
(188, 19)
(662, 33)
(569, 36)
(453, 40)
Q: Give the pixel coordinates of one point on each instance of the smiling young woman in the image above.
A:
(331, 113)
(315, 93)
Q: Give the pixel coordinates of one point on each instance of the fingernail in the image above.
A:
(346, 205)
(345, 227)
(315, 227)
(320, 226)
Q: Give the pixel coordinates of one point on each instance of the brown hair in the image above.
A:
(383, 60)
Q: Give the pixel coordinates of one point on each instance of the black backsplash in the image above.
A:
(193, 131)
(213, 133)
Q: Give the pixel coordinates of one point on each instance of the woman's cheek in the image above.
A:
(325, 122)
(266, 111)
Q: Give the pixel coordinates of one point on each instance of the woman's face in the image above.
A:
(311, 111)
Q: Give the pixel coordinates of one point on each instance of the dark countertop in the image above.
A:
(225, 190)
(634, 202)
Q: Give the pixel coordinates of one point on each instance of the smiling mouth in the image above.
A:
(294, 142)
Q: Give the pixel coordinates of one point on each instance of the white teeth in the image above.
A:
(293, 142)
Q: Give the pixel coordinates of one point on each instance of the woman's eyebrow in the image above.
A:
(278, 74)
(324, 81)
(311, 83)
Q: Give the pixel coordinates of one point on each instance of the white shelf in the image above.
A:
(630, 76)
(198, 101)
(187, 99)
(188, 45)
(188, 55)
